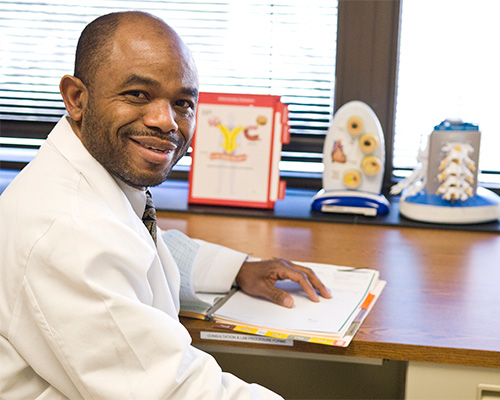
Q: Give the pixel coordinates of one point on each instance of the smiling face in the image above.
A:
(138, 118)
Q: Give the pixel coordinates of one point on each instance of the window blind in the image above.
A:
(285, 48)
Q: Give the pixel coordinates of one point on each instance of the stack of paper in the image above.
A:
(331, 321)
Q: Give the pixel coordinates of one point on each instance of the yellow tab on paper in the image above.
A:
(322, 341)
(277, 335)
(245, 329)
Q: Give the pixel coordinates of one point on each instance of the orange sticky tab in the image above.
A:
(281, 190)
(285, 134)
(284, 114)
(367, 301)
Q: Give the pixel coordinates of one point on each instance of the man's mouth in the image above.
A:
(156, 150)
(155, 144)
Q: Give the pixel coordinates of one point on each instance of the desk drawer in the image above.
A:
(454, 382)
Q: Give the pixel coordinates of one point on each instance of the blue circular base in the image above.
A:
(484, 206)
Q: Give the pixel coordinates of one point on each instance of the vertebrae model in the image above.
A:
(456, 174)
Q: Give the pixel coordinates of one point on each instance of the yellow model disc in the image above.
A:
(371, 165)
(368, 143)
(352, 178)
(355, 125)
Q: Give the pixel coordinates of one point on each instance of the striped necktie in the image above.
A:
(149, 216)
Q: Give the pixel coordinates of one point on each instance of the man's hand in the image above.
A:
(257, 278)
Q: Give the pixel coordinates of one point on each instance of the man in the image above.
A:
(88, 297)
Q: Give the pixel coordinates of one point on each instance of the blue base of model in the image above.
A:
(350, 202)
(484, 206)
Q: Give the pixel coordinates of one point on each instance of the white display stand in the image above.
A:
(353, 158)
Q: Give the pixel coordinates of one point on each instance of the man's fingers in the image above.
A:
(307, 287)
(314, 281)
(290, 271)
(258, 278)
(279, 297)
(307, 279)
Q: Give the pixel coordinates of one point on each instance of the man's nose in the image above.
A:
(161, 116)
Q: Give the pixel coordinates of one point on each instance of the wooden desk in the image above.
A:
(441, 303)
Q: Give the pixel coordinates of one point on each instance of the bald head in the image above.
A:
(97, 39)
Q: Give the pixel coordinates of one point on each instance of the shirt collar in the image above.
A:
(136, 197)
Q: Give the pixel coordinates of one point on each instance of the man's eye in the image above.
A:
(136, 94)
(185, 104)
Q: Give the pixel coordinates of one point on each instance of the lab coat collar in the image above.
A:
(119, 196)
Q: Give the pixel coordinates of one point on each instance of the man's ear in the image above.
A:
(75, 96)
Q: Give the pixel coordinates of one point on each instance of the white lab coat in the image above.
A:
(88, 304)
